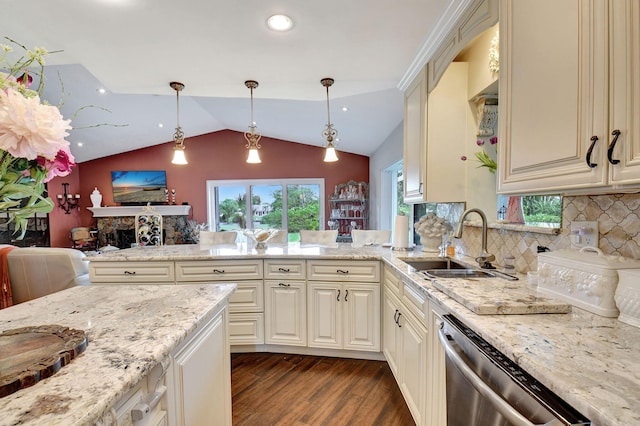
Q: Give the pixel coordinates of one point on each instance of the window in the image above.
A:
(291, 204)
(392, 196)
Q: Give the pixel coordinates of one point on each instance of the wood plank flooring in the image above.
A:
(283, 389)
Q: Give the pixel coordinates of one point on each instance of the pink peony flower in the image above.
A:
(61, 165)
(480, 142)
(493, 140)
(30, 129)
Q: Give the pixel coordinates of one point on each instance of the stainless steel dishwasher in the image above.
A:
(485, 388)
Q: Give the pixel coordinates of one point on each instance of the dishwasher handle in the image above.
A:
(503, 407)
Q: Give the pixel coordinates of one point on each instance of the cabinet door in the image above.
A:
(436, 380)
(624, 27)
(285, 312)
(390, 333)
(413, 359)
(361, 319)
(553, 95)
(415, 116)
(325, 315)
(201, 378)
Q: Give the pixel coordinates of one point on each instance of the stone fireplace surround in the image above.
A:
(116, 225)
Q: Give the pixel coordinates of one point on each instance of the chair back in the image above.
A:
(209, 238)
(318, 237)
(370, 237)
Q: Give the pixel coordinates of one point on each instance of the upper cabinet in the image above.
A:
(569, 95)
(438, 122)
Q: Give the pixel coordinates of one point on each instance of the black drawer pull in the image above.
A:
(338, 298)
(284, 270)
(218, 271)
(594, 139)
(346, 295)
(341, 271)
(129, 272)
(284, 285)
(612, 145)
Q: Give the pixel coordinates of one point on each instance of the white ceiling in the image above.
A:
(134, 48)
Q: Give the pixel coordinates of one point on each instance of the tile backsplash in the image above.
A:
(618, 223)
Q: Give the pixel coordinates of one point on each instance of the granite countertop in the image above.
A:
(130, 331)
(588, 360)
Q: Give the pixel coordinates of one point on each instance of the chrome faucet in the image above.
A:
(485, 258)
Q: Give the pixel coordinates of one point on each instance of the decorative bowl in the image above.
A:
(260, 236)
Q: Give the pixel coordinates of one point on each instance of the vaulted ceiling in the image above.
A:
(133, 48)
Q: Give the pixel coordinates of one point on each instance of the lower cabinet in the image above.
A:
(437, 379)
(199, 379)
(405, 348)
(285, 312)
(344, 316)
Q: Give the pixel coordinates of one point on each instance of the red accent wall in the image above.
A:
(214, 156)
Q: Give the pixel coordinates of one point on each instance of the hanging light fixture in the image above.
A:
(252, 136)
(178, 136)
(329, 133)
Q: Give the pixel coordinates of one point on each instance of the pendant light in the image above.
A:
(329, 133)
(252, 136)
(178, 136)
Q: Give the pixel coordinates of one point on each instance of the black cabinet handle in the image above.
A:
(398, 320)
(341, 271)
(284, 270)
(346, 295)
(594, 139)
(284, 285)
(612, 145)
(395, 315)
(129, 272)
(218, 271)
(338, 298)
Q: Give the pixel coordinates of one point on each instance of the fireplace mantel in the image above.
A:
(120, 211)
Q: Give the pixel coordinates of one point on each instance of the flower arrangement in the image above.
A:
(431, 226)
(483, 156)
(33, 149)
(191, 233)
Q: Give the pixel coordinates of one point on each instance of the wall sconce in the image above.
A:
(252, 137)
(329, 133)
(178, 136)
(68, 201)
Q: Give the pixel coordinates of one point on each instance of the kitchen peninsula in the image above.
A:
(137, 337)
(589, 361)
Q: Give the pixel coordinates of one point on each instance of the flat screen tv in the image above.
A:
(139, 187)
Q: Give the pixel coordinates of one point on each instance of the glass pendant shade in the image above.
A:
(330, 154)
(178, 156)
(254, 156)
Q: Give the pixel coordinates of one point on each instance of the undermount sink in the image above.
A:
(428, 264)
(457, 273)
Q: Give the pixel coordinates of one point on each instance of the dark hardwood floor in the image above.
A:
(283, 389)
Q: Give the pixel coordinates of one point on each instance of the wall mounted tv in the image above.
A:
(139, 187)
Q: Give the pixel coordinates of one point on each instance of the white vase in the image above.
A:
(431, 244)
(96, 198)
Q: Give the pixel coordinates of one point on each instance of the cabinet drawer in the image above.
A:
(218, 270)
(131, 272)
(343, 270)
(284, 269)
(392, 282)
(246, 329)
(415, 301)
(248, 297)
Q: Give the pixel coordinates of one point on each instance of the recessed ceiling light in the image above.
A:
(279, 23)
(80, 144)
(160, 125)
(102, 90)
(345, 108)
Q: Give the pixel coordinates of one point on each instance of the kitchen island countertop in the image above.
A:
(130, 331)
(590, 361)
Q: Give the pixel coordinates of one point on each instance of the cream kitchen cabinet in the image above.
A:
(286, 312)
(405, 348)
(436, 379)
(285, 302)
(435, 137)
(132, 272)
(199, 378)
(246, 304)
(405, 342)
(344, 315)
(569, 96)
